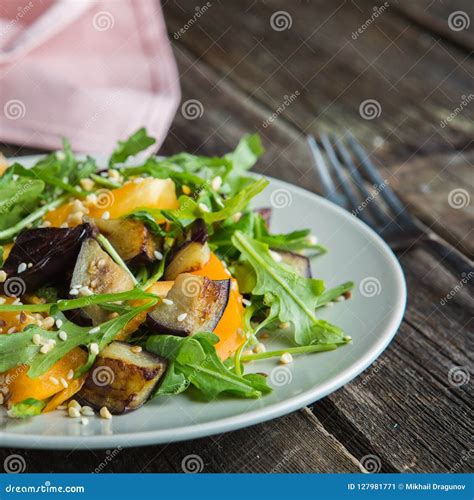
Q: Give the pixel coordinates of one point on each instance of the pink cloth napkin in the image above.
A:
(91, 71)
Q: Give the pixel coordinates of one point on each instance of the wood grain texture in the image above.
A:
(404, 412)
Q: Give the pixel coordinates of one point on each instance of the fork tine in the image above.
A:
(329, 188)
(374, 209)
(342, 180)
(372, 173)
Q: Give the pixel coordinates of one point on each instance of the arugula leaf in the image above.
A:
(28, 408)
(17, 197)
(333, 293)
(19, 348)
(194, 361)
(291, 298)
(246, 154)
(137, 142)
(190, 210)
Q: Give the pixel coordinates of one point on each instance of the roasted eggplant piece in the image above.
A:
(194, 304)
(299, 263)
(191, 257)
(192, 254)
(96, 273)
(132, 240)
(41, 255)
(121, 378)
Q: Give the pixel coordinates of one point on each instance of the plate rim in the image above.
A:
(227, 424)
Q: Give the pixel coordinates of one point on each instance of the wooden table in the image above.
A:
(407, 409)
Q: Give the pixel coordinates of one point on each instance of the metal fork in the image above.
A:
(390, 218)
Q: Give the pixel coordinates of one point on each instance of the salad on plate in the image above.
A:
(124, 283)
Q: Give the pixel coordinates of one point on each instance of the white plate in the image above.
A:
(371, 317)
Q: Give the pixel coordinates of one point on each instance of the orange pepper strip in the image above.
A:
(229, 328)
(75, 386)
(150, 192)
(21, 386)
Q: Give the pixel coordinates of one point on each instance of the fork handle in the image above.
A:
(457, 263)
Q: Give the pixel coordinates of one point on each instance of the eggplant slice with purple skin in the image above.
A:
(121, 378)
(131, 239)
(51, 252)
(192, 255)
(95, 272)
(194, 304)
(266, 214)
(298, 263)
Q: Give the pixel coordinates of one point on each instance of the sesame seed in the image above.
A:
(106, 215)
(247, 352)
(216, 183)
(182, 316)
(74, 291)
(59, 323)
(259, 348)
(47, 322)
(84, 421)
(203, 208)
(286, 358)
(64, 382)
(312, 240)
(74, 404)
(105, 413)
(73, 412)
(22, 267)
(94, 348)
(63, 335)
(341, 298)
(61, 407)
(136, 348)
(87, 411)
(54, 380)
(12, 330)
(96, 329)
(168, 302)
(2, 300)
(70, 374)
(158, 255)
(30, 265)
(37, 339)
(3, 276)
(246, 302)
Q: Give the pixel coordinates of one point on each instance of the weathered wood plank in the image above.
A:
(438, 189)
(417, 80)
(407, 408)
(295, 443)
